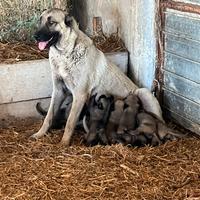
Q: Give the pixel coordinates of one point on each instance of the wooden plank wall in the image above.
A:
(182, 68)
(196, 2)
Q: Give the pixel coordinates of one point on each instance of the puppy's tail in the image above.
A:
(40, 110)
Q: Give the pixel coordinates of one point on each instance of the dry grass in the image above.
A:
(19, 17)
(44, 170)
(15, 52)
(113, 43)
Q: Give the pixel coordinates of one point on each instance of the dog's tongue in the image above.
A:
(42, 45)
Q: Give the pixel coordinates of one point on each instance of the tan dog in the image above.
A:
(77, 65)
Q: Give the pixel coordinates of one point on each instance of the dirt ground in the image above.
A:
(44, 170)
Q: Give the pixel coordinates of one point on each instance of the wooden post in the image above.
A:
(97, 26)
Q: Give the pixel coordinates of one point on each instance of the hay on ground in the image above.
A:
(44, 170)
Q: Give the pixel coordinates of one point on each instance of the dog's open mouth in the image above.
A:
(42, 45)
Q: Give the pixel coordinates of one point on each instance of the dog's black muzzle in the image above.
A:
(45, 36)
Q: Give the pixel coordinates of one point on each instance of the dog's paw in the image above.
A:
(34, 137)
(65, 143)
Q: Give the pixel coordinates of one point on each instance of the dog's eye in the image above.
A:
(52, 23)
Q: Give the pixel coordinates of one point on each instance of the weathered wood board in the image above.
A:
(179, 65)
(184, 25)
(182, 86)
(185, 122)
(182, 106)
(195, 2)
(182, 68)
(183, 47)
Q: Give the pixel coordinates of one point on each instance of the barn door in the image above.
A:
(179, 52)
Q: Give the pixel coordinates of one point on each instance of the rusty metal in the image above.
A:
(181, 6)
(158, 82)
(97, 26)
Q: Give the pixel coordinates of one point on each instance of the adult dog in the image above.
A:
(77, 65)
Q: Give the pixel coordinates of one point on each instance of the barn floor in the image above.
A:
(45, 170)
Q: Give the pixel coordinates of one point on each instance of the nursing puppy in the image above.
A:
(98, 114)
(113, 122)
(59, 118)
(155, 130)
(77, 65)
(150, 131)
(128, 117)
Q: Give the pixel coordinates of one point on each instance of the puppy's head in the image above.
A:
(52, 24)
(132, 101)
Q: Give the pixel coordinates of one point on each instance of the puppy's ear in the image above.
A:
(125, 106)
(68, 20)
(112, 106)
(100, 105)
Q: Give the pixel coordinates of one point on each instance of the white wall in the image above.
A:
(24, 84)
(135, 20)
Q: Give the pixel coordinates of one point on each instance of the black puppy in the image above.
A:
(60, 118)
(97, 117)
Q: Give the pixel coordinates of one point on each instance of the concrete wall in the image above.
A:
(25, 83)
(135, 20)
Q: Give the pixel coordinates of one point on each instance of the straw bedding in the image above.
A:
(16, 51)
(45, 170)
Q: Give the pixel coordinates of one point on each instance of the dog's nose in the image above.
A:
(36, 36)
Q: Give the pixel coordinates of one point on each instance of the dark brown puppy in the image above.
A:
(60, 118)
(98, 114)
(150, 131)
(150, 124)
(128, 118)
(145, 134)
(114, 120)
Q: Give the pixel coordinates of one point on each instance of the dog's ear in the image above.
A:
(68, 20)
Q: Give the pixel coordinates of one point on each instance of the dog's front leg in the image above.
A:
(77, 105)
(57, 99)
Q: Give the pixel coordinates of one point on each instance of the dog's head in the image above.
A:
(52, 24)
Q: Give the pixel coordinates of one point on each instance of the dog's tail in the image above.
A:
(40, 110)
